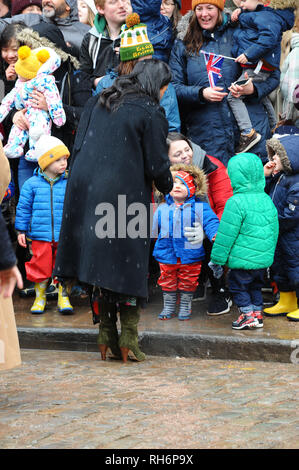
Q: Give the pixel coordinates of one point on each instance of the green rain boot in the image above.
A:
(39, 304)
(128, 341)
(108, 334)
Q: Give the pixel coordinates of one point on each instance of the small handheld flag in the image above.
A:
(213, 64)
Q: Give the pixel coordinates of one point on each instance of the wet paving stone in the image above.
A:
(73, 400)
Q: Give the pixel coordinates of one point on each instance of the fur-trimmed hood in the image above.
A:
(287, 148)
(199, 177)
(34, 41)
(282, 4)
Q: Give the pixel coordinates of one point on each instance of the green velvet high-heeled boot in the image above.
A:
(128, 340)
(108, 334)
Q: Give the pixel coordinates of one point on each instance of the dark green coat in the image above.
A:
(248, 231)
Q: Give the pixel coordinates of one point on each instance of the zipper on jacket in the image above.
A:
(276, 187)
(52, 211)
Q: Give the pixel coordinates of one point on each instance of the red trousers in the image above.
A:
(42, 263)
(179, 276)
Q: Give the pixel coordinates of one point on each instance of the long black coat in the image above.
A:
(117, 156)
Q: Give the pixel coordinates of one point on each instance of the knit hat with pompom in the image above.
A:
(48, 149)
(29, 62)
(134, 42)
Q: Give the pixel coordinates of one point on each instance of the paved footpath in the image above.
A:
(73, 400)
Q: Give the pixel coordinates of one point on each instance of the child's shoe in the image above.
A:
(258, 314)
(245, 321)
(63, 304)
(287, 303)
(169, 300)
(185, 305)
(39, 304)
(247, 141)
(293, 316)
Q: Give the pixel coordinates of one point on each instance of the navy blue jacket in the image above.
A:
(260, 33)
(212, 125)
(159, 27)
(169, 222)
(284, 191)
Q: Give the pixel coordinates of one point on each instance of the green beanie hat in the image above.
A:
(134, 42)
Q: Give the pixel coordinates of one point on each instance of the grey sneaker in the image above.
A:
(248, 141)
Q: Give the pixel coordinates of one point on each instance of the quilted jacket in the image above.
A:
(248, 231)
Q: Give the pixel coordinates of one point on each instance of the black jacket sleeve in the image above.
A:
(7, 255)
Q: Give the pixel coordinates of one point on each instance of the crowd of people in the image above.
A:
(146, 145)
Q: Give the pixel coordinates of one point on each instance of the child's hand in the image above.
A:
(242, 59)
(194, 234)
(235, 14)
(22, 240)
(268, 168)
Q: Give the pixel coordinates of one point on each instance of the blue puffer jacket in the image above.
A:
(40, 207)
(260, 33)
(169, 222)
(284, 191)
(169, 101)
(211, 125)
(159, 27)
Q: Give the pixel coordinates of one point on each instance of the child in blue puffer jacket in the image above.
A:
(39, 216)
(180, 261)
(282, 186)
(257, 49)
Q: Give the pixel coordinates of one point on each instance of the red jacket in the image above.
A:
(220, 189)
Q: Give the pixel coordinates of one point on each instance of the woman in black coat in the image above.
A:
(119, 151)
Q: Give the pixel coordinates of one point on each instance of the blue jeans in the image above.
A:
(246, 288)
(25, 170)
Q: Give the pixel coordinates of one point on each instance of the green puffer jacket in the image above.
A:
(248, 231)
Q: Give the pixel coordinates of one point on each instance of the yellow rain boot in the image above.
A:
(287, 303)
(294, 316)
(39, 304)
(63, 304)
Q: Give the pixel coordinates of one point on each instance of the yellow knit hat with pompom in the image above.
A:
(29, 62)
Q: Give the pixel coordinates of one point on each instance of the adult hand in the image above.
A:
(237, 90)
(8, 279)
(37, 100)
(20, 120)
(10, 72)
(214, 94)
(22, 240)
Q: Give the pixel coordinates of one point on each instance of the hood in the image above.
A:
(282, 4)
(48, 36)
(295, 40)
(288, 150)
(246, 173)
(72, 18)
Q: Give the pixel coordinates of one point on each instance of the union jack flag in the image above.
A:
(213, 64)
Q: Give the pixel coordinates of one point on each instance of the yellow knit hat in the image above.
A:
(48, 149)
(29, 62)
(217, 3)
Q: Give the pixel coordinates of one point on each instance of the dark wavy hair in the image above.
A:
(147, 78)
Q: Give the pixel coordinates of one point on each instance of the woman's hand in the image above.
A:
(10, 72)
(214, 94)
(237, 90)
(37, 100)
(20, 120)
(8, 279)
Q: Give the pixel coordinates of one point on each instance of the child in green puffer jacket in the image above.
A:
(246, 238)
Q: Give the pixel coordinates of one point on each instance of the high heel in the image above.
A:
(103, 350)
(128, 341)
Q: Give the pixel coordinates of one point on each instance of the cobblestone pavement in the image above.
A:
(73, 400)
